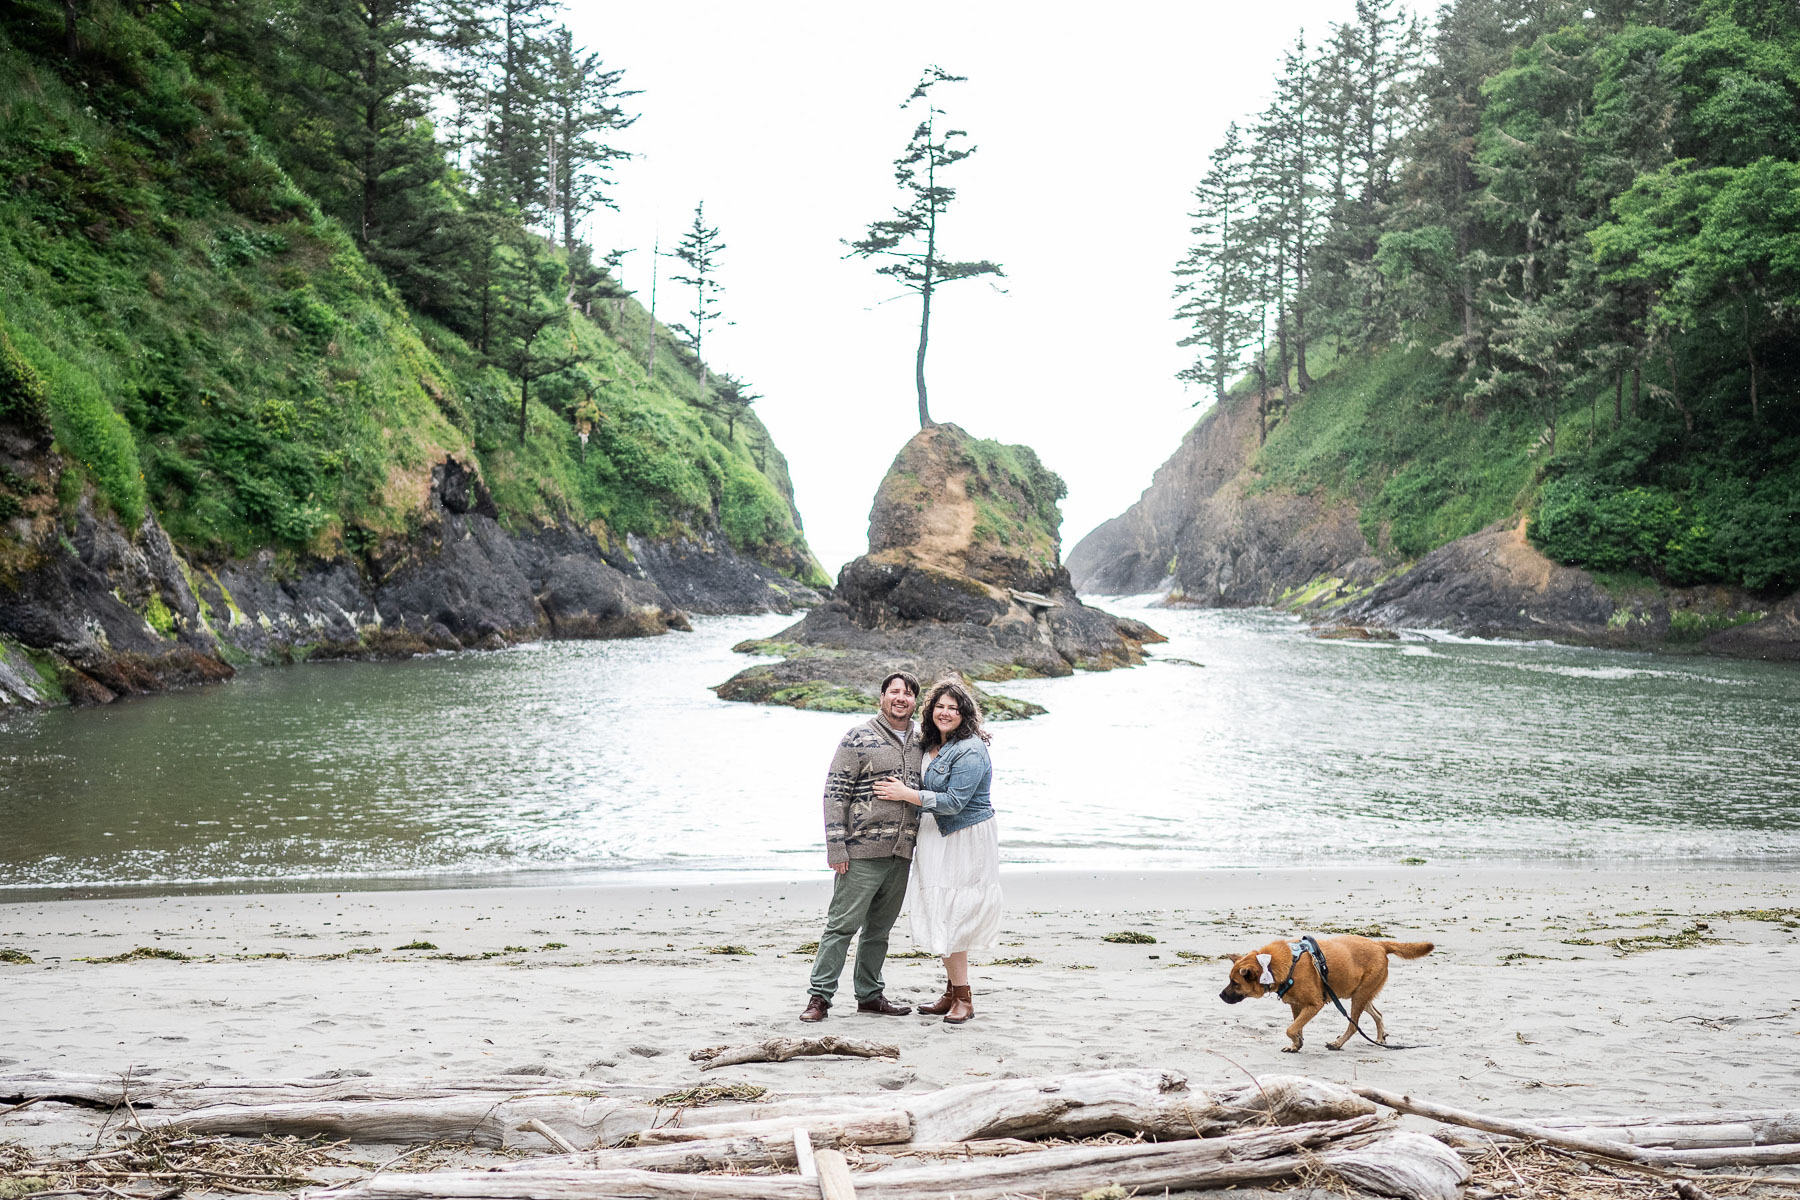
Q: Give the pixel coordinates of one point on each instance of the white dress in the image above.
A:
(953, 897)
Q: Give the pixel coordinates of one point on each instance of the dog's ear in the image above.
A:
(1262, 960)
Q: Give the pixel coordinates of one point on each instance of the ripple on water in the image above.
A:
(614, 755)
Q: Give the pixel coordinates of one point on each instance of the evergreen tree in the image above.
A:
(1214, 285)
(532, 308)
(909, 239)
(698, 251)
(583, 111)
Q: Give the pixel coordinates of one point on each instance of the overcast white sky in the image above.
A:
(1093, 124)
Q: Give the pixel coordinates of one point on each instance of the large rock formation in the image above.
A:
(90, 611)
(963, 576)
(1206, 533)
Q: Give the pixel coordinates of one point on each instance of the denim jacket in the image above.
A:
(956, 784)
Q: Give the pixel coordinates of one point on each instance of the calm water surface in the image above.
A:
(1246, 742)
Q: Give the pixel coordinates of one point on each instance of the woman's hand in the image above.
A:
(893, 789)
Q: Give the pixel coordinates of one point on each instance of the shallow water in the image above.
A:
(1245, 742)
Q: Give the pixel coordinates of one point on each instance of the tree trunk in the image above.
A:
(1750, 353)
(524, 395)
(655, 261)
(70, 46)
(1618, 396)
(1687, 418)
(925, 421)
(1637, 390)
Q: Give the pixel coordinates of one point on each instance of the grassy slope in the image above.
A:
(1641, 501)
(214, 349)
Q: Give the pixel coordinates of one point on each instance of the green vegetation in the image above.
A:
(1378, 432)
(1537, 261)
(18, 957)
(709, 1093)
(1130, 937)
(418, 945)
(207, 340)
(141, 953)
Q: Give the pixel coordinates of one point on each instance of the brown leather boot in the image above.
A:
(941, 1005)
(816, 1008)
(962, 1006)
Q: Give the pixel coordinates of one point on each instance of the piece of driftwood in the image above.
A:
(1671, 1137)
(862, 1129)
(1248, 1156)
(534, 1125)
(1719, 1157)
(1402, 1164)
(835, 1182)
(728, 1154)
(781, 1049)
(1772, 1127)
(804, 1163)
(484, 1120)
(1078, 1105)
(145, 1091)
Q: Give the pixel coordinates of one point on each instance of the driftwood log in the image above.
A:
(1728, 1156)
(1248, 1156)
(781, 1049)
(1155, 1103)
(109, 1091)
(860, 1129)
(1769, 1127)
(729, 1154)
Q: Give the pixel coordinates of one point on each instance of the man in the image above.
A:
(869, 843)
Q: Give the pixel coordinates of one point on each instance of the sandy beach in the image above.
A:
(1552, 991)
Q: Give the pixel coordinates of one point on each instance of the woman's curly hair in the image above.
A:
(965, 704)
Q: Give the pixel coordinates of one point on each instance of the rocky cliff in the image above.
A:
(1208, 532)
(90, 611)
(963, 576)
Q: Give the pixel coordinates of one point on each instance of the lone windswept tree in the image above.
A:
(698, 251)
(908, 240)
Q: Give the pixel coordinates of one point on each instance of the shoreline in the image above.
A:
(1551, 991)
(504, 880)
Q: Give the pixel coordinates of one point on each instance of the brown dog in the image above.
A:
(1356, 968)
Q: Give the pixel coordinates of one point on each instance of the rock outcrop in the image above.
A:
(90, 612)
(963, 576)
(1205, 533)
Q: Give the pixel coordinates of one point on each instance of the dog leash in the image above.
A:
(1310, 945)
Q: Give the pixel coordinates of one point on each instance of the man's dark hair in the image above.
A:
(906, 677)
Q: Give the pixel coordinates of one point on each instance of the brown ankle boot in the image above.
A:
(941, 1005)
(962, 1006)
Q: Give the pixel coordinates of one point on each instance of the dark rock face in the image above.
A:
(1775, 637)
(1200, 535)
(1203, 535)
(925, 605)
(125, 615)
(704, 576)
(1490, 584)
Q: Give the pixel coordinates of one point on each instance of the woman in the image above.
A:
(955, 889)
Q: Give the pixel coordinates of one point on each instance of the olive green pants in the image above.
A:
(865, 899)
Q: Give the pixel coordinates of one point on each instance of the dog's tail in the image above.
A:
(1407, 949)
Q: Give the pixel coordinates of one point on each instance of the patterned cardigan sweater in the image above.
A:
(857, 825)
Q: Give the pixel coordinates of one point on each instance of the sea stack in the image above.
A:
(963, 576)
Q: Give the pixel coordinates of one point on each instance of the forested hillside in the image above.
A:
(271, 273)
(1531, 257)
